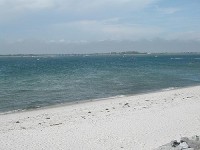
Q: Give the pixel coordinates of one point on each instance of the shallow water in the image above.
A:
(31, 82)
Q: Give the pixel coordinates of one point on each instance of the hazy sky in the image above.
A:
(79, 26)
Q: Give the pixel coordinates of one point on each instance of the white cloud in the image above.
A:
(170, 10)
(84, 29)
(107, 29)
(91, 5)
(16, 6)
(12, 11)
(188, 35)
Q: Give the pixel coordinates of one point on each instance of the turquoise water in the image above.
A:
(31, 82)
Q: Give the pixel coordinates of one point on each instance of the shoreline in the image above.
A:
(144, 121)
(97, 99)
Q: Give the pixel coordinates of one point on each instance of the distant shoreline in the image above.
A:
(101, 54)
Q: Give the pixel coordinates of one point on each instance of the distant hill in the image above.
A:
(109, 53)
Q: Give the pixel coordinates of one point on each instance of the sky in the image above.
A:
(87, 26)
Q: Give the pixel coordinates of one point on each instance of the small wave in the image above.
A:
(32, 107)
(169, 89)
(12, 111)
(111, 97)
(119, 96)
(196, 58)
(176, 58)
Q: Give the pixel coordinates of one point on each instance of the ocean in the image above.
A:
(39, 81)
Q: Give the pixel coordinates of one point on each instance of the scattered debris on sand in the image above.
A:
(185, 143)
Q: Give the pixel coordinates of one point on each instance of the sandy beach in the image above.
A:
(141, 122)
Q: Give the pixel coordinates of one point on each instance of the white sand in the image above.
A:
(152, 120)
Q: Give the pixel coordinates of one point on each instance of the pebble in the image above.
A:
(183, 145)
(174, 143)
(196, 138)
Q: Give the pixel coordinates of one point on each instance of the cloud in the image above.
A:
(16, 8)
(72, 19)
(187, 35)
(20, 5)
(90, 20)
(11, 10)
(170, 10)
(111, 29)
(70, 4)
(93, 5)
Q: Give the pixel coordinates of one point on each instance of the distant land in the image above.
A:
(99, 54)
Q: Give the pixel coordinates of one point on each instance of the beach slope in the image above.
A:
(142, 122)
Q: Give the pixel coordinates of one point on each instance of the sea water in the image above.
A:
(32, 82)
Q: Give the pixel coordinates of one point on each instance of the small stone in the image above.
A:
(47, 118)
(55, 124)
(196, 138)
(107, 109)
(174, 143)
(17, 121)
(83, 117)
(89, 112)
(184, 139)
(126, 104)
(183, 145)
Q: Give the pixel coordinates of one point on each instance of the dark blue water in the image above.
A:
(31, 82)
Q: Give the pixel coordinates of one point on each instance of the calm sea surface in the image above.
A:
(31, 82)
